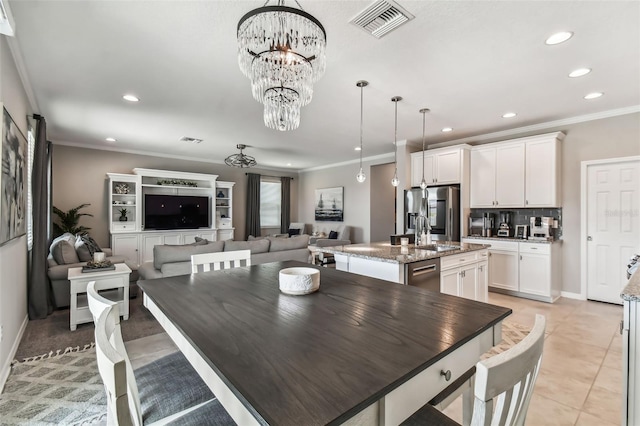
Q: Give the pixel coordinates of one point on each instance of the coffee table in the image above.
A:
(116, 281)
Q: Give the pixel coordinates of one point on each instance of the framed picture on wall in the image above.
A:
(329, 204)
(13, 181)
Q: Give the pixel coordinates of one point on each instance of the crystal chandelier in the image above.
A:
(361, 177)
(281, 50)
(423, 111)
(240, 160)
(395, 181)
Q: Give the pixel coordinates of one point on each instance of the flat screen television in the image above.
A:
(175, 212)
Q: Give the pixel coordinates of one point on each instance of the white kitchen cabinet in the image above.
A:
(510, 175)
(482, 283)
(483, 177)
(543, 159)
(126, 245)
(442, 166)
(497, 176)
(461, 276)
(526, 269)
(520, 173)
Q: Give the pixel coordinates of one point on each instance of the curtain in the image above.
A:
(285, 204)
(252, 224)
(38, 287)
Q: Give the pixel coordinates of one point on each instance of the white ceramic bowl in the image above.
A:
(297, 281)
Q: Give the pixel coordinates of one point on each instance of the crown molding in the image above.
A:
(345, 163)
(541, 126)
(161, 155)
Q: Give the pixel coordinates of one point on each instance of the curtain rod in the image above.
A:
(246, 174)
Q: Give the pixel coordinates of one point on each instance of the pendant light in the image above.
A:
(395, 181)
(361, 177)
(423, 111)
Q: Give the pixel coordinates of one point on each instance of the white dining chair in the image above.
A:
(503, 385)
(165, 391)
(97, 303)
(220, 260)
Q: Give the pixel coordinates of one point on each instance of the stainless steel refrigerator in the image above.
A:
(440, 205)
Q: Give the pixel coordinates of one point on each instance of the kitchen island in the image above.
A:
(455, 268)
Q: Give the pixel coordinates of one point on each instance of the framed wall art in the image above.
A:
(329, 204)
(13, 181)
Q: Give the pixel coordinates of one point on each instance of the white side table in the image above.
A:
(116, 280)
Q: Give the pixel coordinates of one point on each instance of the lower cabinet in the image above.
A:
(138, 246)
(525, 269)
(465, 275)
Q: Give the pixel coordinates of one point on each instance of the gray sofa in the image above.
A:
(169, 260)
(60, 285)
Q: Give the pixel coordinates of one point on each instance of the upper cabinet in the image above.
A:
(520, 173)
(442, 166)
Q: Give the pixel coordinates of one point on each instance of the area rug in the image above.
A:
(61, 388)
(64, 388)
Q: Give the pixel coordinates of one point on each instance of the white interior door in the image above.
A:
(613, 226)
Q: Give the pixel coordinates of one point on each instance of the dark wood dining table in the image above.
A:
(358, 351)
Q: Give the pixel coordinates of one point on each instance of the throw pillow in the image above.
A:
(64, 253)
(91, 244)
(82, 251)
(333, 235)
(293, 231)
(201, 241)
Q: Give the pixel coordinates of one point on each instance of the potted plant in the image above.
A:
(68, 221)
(123, 215)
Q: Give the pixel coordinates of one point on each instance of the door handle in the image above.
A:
(589, 238)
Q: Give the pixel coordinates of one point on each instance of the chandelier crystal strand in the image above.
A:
(361, 177)
(395, 181)
(281, 50)
(424, 111)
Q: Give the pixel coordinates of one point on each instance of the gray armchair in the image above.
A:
(298, 225)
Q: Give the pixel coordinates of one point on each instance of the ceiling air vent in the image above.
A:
(381, 18)
(190, 140)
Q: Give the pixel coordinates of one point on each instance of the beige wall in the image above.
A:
(357, 197)
(80, 176)
(13, 254)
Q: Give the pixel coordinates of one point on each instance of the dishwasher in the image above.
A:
(424, 274)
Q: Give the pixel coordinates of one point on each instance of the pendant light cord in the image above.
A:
(361, 120)
(424, 120)
(395, 138)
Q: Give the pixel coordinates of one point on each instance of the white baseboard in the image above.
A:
(571, 295)
(6, 368)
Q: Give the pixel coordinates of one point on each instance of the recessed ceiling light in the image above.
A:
(190, 139)
(288, 164)
(130, 98)
(579, 72)
(594, 95)
(110, 139)
(558, 38)
(509, 115)
(357, 148)
(447, 129)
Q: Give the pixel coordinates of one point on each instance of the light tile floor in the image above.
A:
(580, 381)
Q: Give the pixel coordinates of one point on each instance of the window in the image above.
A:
(270, 203)
(31, 141)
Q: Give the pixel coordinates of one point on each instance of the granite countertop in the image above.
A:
(631, 291)
(385, 252)
(513, 239)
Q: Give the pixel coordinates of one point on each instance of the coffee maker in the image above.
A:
(487, 224)
(504, 229)
(541, 228)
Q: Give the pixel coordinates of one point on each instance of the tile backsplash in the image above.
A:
(521, 216)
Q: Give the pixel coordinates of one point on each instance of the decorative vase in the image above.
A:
(123, 218)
